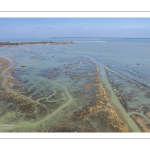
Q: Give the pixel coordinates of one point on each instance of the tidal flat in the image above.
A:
(84, 87)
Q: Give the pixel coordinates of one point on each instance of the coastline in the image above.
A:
(33, 43)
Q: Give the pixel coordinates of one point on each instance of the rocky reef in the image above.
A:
(132, 93)
(143, 124)
(78, 103)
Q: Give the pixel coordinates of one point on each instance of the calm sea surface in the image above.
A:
(124, 61)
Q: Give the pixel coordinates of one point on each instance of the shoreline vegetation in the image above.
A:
(33, 43)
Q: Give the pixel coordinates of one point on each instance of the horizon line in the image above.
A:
(68, 37)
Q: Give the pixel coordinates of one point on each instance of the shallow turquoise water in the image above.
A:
(127, 57)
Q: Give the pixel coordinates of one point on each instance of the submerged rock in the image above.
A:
(22, 66)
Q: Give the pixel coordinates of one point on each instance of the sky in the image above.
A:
(74, 27)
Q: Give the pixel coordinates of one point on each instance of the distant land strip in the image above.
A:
(32, 43)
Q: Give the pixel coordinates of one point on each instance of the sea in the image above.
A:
(124, 65)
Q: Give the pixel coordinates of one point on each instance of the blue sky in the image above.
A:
(74, 27)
